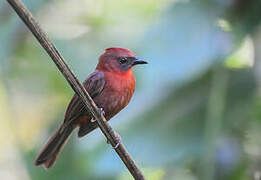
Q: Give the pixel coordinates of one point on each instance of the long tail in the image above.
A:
(53, 147)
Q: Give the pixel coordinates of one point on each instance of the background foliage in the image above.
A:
(196, 112)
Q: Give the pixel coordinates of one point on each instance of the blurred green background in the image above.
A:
(196, 112)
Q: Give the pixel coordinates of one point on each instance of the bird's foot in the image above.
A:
(93, 120)
(101, 111)
(118, 140)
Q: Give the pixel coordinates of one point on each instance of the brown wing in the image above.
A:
(94, 85)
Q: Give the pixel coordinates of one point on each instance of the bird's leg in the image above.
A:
(101, 111)
(118, 140)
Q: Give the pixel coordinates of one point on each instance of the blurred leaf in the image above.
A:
(243, 57)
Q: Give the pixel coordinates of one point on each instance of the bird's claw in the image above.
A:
(101, 111)
(118, 140)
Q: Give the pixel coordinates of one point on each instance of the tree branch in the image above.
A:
(57, 58)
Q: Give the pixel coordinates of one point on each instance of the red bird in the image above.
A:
(111, 86)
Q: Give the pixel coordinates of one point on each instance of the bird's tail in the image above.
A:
(53, 147)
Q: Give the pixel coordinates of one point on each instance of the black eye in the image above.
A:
(123, 60)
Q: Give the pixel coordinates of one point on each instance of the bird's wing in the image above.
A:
(94, 85)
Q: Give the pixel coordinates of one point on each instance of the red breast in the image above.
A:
(117, 92)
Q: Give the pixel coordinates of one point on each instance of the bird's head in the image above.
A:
(118, 60)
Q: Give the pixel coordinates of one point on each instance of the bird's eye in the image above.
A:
(123, 60)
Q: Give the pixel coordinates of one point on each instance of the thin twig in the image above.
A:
(57, 58)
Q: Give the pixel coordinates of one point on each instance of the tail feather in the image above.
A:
(49, 153)
(87, 128)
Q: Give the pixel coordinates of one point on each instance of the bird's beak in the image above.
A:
(138, 61)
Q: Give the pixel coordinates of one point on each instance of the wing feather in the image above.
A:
(94, 85)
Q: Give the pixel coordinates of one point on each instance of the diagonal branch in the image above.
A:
(57, 58)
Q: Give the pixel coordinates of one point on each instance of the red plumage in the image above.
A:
(111, 86)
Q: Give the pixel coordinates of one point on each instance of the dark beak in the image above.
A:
(138, 61)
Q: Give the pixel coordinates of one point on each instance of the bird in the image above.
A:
(111, 85)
